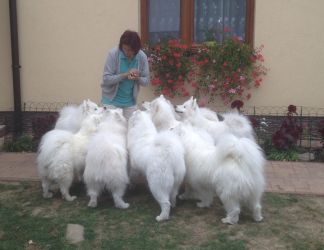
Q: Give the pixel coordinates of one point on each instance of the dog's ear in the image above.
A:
(146, 105)
(194, 104)
(85, 107)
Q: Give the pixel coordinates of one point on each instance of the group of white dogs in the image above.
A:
(168, 145)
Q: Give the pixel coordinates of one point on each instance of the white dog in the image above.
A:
(61, 156)
(159, 156)
(106, 161)
(71, 116)
(162, 113)
(233, 169)
(233, 123)
(164, 116)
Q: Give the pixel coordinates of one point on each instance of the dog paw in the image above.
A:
(161, 218)
(228, 221)
(123, 206)
(92, 204)
(184, 196)
(71, 198)
(202, 204)
(258, 218)
(48, 195)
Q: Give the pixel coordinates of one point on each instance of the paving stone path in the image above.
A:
(281, 176)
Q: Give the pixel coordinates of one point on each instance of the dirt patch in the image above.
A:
(260, 243)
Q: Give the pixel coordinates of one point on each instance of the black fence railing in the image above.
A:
(44, 107)
(268, 120)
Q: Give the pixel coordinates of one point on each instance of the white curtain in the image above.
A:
(164, 19)
(212, 16)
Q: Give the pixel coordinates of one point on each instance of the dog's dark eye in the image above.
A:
(95, 109)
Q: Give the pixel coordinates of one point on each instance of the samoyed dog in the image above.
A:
(159, 157)
(106, 161)
(232, 169)
(71, 116)
(61, 156)
(164, 116)
(233, 123)
(162, 113)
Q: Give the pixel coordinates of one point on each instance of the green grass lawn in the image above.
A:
(291, 222)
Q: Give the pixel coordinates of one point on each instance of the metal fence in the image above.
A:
(269, 120)
(44, 106)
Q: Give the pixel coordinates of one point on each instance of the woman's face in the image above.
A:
(129, 53)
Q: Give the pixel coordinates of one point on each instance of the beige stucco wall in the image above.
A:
(6, 91)
(63, 46)
(291, 31)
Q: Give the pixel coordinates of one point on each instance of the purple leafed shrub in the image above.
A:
(290, 131)
(321, 130)
(238, 104)
(41, 125)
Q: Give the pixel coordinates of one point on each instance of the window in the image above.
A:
(196, 20)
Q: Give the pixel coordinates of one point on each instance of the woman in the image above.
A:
(126, 69)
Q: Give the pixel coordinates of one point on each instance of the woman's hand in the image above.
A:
(133, 74)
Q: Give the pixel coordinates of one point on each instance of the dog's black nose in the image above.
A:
(105, 108)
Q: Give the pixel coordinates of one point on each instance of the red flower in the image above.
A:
(194, 85)
(227, 29)
(238, 104)
(205, 71)
(202, 102)
(176, 55)
(292, 109)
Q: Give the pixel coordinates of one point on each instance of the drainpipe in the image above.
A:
(15, 68)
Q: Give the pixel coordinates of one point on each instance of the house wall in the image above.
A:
(6, 91)
(291, 31)
(63, 47)
(64, 44)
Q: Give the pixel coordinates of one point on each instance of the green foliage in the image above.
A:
(171, 65)
(274, 154)
(227, 57)
(228, 69)
(282, 155)
(24, 143)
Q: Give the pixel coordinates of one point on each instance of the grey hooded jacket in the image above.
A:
(112, 76)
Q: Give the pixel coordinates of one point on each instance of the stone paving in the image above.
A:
(281, 177)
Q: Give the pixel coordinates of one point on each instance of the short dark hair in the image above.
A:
(131, 39)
